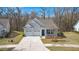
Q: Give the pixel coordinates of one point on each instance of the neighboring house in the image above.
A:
(76, 26)
(4, 26)
(40, 27)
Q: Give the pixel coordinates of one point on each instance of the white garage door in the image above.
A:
(32, 33)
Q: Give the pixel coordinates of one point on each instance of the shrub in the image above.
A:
(60, 34)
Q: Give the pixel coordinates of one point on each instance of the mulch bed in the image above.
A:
(54, 39)
(12, 35)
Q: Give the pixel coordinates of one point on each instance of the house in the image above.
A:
(4, 26)
(40, 27)
(76, 26)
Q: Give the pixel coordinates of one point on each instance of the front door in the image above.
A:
(43, 32)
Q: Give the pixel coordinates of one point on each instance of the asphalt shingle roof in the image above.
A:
(47, 23)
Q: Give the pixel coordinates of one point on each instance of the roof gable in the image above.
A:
(47, 23)
(4, 21)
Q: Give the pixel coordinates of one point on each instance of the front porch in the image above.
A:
(49, 32)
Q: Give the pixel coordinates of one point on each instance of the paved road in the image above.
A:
(31, 44)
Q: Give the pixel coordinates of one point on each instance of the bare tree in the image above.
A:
(18, 18)
(43, 12)
(14, 14)
(66, 17)
(25, 19)
(58, 13)
(10, 13)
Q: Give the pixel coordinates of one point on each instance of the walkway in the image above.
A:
(8, 46)
(32, 43)
(63, 45)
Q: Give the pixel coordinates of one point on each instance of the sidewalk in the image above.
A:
(8, 46)
(63, 45)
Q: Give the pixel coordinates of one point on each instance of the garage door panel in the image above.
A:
(32, 33)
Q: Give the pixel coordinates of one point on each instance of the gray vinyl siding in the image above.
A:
(5, 23)
(2, 28)
(34, 27)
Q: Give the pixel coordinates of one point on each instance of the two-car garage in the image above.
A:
(31, 32)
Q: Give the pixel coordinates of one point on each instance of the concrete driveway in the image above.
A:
(31, 43)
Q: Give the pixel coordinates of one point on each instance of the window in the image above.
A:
(48, 31)
(52, 32)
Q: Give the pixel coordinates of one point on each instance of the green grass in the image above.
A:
(6, 49)
(63, 49)
(71, 38)
(16, 39)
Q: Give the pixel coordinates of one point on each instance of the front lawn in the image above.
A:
(71, 38)
(63, 49)
(12, 39)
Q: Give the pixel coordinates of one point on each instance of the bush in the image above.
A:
(60, 34)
